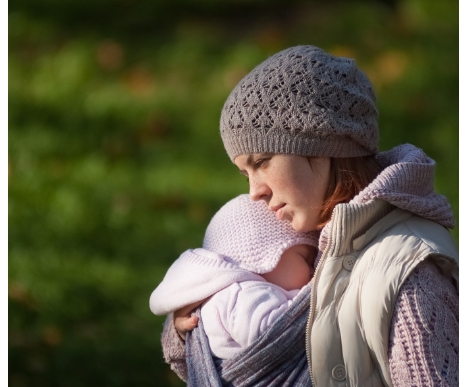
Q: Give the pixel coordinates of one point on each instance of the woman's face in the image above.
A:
(292, 186)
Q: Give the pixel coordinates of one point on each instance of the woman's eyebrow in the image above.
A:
(249, 163)
(250, 160)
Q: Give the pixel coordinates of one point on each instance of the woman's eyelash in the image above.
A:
(259, 163)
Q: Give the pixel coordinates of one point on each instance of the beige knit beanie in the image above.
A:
(302, 101)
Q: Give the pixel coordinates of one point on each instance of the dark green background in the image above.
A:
(116, 165)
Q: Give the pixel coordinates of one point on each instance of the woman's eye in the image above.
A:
(259, 163)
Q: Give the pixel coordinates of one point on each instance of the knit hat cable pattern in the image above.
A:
(249, 235)
(302, 101)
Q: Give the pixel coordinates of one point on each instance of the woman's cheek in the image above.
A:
(305, 221)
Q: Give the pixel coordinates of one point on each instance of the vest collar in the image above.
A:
(351, 225)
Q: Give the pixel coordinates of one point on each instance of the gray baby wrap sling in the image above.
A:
(276, 358)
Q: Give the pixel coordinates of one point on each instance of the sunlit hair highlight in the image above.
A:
(348, 176)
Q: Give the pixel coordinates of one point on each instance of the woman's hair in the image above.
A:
(348, 176)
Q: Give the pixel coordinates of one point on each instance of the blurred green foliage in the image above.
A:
(116, 165)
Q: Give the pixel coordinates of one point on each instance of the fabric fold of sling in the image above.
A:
(277, 358)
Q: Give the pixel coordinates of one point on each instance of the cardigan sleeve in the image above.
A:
(423, 348)
(174, 348)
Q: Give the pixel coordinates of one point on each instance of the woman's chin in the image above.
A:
(299, 227)
(302, 225)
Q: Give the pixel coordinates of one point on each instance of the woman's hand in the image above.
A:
(183, 321)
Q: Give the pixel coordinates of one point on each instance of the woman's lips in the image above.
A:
(278, 211)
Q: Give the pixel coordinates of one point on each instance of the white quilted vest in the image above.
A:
(356, 285)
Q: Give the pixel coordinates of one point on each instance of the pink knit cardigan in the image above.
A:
(424, 337)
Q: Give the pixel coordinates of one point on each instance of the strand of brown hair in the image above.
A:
(348, 176)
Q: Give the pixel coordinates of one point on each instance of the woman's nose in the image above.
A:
(258, 189)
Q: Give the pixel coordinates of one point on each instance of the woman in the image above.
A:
(302, 126)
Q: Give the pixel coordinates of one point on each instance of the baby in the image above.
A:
(252, 266)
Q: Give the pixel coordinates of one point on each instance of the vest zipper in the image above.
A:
(313, 305)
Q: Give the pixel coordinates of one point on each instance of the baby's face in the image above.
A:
(295, 268)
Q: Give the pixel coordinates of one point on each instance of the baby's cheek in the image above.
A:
(303, 274)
